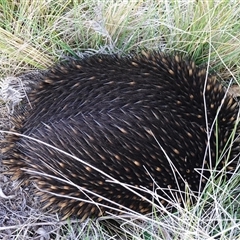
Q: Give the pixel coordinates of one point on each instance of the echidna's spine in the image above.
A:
(145, 120)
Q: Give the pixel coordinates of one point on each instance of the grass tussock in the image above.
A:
(36, 33)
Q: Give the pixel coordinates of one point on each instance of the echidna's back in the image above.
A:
(122, 116)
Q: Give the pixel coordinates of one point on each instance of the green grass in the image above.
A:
(37, 33)
(34, 34)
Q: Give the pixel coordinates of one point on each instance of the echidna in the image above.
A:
(151, 121)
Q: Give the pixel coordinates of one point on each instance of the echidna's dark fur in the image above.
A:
(122, 116)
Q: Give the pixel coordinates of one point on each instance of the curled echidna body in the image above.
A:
(149, 121)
